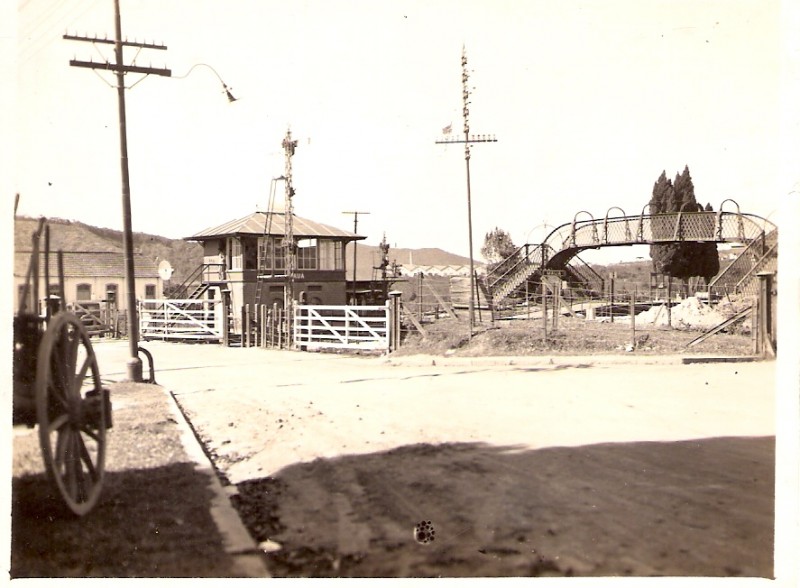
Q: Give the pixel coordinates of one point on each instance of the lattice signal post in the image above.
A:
(467, 140)
(290, 247)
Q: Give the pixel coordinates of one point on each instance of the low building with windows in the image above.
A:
(247, 258)
(91, 277)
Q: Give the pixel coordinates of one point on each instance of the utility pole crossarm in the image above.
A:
(108, 41)
(472, 139)
(121, 68)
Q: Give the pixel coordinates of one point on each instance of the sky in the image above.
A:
(589, 101)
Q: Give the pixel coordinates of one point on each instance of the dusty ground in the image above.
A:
(473, 466)
(577, 467)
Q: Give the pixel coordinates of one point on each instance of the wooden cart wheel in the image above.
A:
(69, 413)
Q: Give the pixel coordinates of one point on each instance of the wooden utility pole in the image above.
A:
(290, 247)
(467, 140)
(120, 69)
(355, 214)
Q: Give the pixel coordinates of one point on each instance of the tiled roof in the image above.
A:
(87, 264)
(258, 223)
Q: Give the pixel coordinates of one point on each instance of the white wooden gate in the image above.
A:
(187, 320)
(341, 327)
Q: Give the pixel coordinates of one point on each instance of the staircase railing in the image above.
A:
(204, 273)
(741, 267)
(748, 285)
(586, 274)
(514, 270)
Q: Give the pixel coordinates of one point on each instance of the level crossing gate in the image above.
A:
(181, 320)
(341, 327)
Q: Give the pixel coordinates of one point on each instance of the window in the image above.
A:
(149, 290)
(330, 255)
(270, 254)
(111, 294)
(307, 254)
(83, 292)
(236, 254)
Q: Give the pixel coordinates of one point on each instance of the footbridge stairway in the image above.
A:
(740, 276)
(559, 252)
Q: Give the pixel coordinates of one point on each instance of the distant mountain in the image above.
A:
(185, 256)
(369, 257)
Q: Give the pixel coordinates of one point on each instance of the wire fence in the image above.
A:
(627, 315)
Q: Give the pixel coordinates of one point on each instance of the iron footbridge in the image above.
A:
(559, 251)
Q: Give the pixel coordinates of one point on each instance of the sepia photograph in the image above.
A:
(402, 290)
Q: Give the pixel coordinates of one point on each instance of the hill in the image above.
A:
(70, 235)
(185, 256)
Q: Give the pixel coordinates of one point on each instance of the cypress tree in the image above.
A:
(686, 259)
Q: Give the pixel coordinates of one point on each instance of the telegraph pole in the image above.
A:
(289, 245)
(355, 214)
(467, 140)
(120, 69)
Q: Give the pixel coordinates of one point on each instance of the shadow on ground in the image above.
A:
(691, 508)
(148, 523)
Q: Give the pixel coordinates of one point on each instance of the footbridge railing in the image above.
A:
(569, 239)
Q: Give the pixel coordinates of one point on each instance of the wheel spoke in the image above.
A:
(79, 377)
(58, 455)
(57, 423)
(70, 482)
(85, 457)
(94, 434)
(75, 341)
(57, 395)
(55, 382)
(80, 474)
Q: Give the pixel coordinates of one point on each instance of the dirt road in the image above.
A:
(362, 467)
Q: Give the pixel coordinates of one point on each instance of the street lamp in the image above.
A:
(225, 87)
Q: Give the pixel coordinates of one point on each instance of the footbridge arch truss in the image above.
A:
(559, 251)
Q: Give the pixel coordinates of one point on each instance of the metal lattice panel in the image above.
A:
(569, 239)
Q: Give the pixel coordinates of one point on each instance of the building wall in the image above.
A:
(97, 288)
(328, 287)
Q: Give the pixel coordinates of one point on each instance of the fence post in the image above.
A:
(225, 319)
(544, 309)
(556, 304)
(394, 319)
(764, 313)
(262, 309)
(612, 277)
(669, 301)
(246, 325)
(633, 319)
(419, 296)
(280, 328)
(274, 321)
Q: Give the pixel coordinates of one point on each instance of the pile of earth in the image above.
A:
(692, 313)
